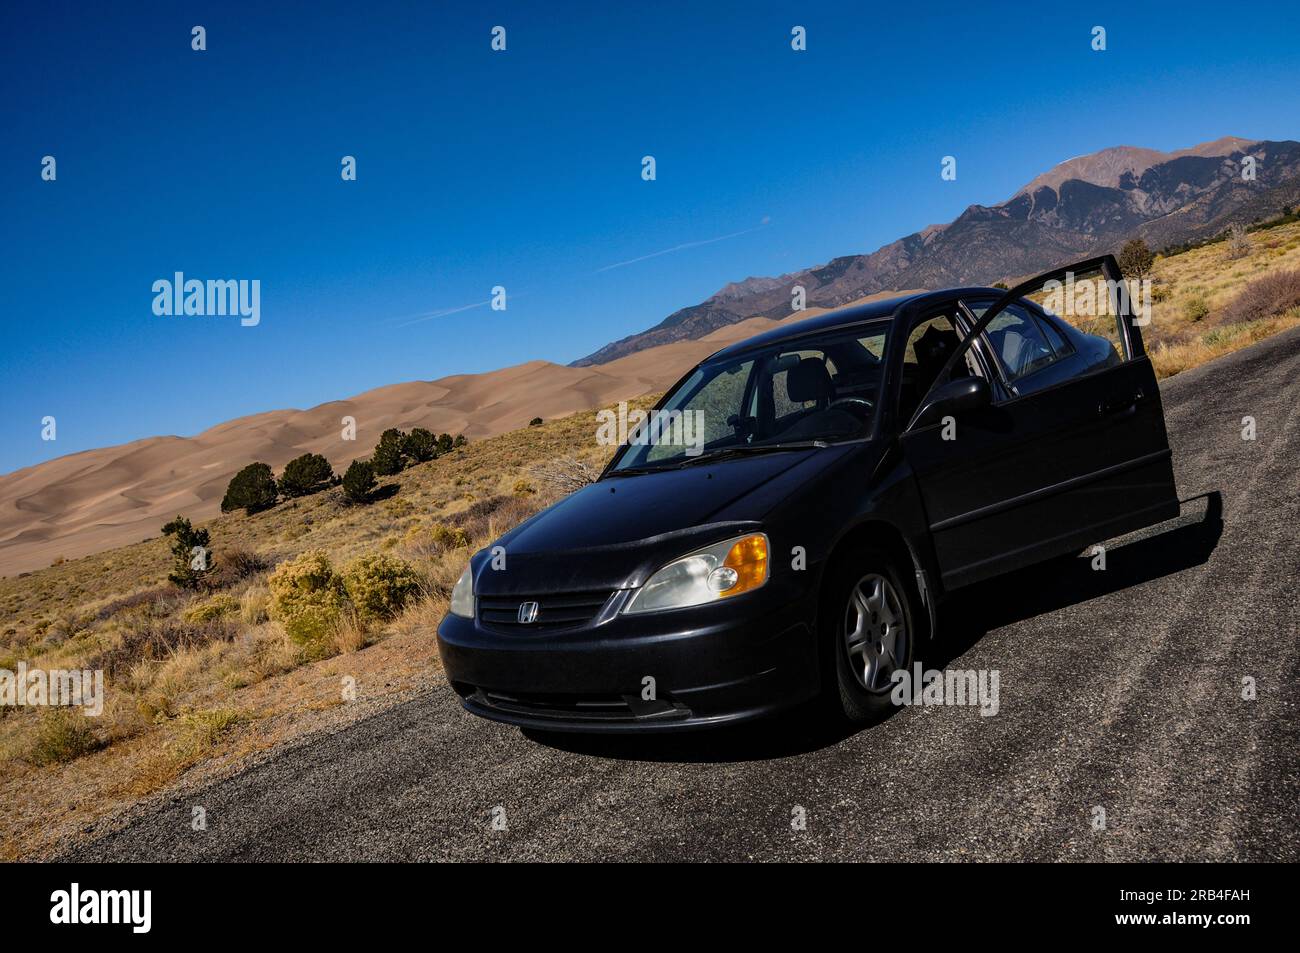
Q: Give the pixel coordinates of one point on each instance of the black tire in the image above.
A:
(846, 693)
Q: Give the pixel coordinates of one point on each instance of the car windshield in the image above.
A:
(797, 393)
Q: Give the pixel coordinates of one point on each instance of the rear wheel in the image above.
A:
(868, 623)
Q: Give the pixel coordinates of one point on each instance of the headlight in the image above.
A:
(717, 572)
(462, 595)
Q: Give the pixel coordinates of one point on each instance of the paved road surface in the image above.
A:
(1119, 690)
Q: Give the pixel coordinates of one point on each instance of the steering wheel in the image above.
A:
(857, 402)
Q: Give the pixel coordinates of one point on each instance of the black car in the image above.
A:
(789, 521)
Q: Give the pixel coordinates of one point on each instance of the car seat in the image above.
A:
(809, 380)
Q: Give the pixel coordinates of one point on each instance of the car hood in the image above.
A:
(614, 533)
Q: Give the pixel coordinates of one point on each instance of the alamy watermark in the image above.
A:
(216, 296)
(948, 687)
(660, 428)
(1092, 297)
(133, 908)
(56, 687)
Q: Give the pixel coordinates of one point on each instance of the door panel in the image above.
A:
(1050, 471)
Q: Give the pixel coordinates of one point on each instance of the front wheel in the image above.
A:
(869, 621)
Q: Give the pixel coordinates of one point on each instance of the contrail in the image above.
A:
(429, 316)
(682, 247)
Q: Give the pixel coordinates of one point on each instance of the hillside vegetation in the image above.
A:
(218, 672)
(1208, 303)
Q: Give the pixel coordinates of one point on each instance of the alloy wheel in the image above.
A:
(875, 632)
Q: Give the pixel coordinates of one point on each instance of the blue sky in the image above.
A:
(519, 169)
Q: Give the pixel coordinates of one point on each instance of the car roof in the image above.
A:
(847, 317)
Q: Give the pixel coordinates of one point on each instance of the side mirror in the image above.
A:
(954, 398)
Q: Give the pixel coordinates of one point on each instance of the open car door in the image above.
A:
(1053, 438)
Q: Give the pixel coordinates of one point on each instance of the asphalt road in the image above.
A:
(1119, 690)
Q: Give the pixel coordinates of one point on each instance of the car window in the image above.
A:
(783, 405)
(929, 345)
(716, 398)
(1089, 303)
(823, 388)
(1060, 345)
(1019, 343)
(1073, 323)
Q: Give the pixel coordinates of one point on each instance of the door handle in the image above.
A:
(1115, 405)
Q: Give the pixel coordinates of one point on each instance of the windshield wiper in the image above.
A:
(751, 449)
(726, 454)
(637, 471)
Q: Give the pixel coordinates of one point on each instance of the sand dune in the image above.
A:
(98, 499)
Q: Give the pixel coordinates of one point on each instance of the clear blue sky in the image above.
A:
(519, 169)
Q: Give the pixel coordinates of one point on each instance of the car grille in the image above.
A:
(555, 611)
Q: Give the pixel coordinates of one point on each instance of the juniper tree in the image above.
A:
(304, 475)
(420, 445)
(252, 489)
(358, 481)
(190, 549)
(389, 456)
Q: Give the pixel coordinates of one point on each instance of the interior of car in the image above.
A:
(929, 345)
(1022, 343)
(809, 393)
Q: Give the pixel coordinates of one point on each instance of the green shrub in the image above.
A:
(197, 731)
(389, 456)
(307, 597)
(1221, 335)
(358, 482)
(190, 552)
(379, 585)
(535, 422)
(448, 537)
(218, 607)
(1195, 308)
(420, 445)
(252, 489)
(63, 735)
(304, 475)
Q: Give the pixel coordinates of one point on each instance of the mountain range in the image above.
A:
(1086, 205)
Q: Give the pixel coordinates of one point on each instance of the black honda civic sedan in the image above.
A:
(787, 522)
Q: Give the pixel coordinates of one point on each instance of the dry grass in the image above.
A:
(565, 474)
(1207, 304)
(1173, 359)
(1266, 297)
(61, 735)
(196, 678)
(349, 634)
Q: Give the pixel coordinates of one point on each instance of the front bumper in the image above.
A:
(711, 665)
